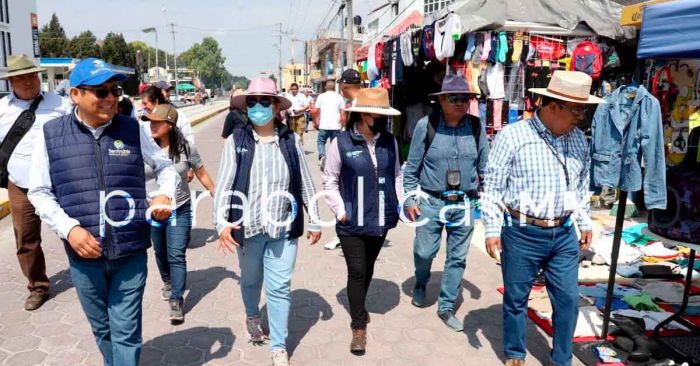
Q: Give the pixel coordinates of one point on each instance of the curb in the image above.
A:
(205, 117)
(4, 205)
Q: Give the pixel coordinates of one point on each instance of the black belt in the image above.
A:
(472, 195)
(543, 223)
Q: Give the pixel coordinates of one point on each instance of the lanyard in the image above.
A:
(555, 152)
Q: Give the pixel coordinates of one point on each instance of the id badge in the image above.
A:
(570, 201)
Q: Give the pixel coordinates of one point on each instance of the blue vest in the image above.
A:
(82, 167)
(245, 151)
(378, 185)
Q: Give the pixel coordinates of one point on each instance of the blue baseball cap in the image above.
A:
(93, 71)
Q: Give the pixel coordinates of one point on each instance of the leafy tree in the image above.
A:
(116, 51)
(84, 45)
(52, 39)
(147, 51)
(208, 62)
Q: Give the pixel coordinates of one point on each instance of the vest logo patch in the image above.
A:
(241, 150)
(119, 150)
(353, 154)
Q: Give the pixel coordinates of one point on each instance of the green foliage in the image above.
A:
(116, 51)
(52, 39)
(84, 45)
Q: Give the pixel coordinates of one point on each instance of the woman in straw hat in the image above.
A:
(263, 179)
(361, 170)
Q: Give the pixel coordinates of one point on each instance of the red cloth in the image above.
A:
(547, 49)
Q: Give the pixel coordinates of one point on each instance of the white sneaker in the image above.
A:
(280, 358)
(333, 244)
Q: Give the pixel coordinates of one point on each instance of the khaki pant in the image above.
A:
(27, 227)
(297, 124)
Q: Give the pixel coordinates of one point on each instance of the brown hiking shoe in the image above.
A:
(514, 362)
(359, 341)
(35, 300)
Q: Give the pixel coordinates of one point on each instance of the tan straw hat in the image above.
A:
(375, 101)
(570, 86)
(162, 112)
(20, 65)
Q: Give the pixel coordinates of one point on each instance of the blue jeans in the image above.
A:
(170, 241)
(271, 261)
(111, 293)
(323, 136)
(526, 249)
(427, 244)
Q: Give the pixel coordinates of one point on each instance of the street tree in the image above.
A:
(52, 39)
(84, 45)
(116, 51)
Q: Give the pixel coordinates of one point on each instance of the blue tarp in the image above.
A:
(671, 30)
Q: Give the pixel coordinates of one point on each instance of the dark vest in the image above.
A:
(245, 151)
(82, 167)
(379, 186)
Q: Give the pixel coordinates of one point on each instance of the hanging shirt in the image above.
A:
(372, 69)
(495, 79)
(447, 32)
(406, 49)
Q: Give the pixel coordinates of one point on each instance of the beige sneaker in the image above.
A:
(280, 358)
(514, 362)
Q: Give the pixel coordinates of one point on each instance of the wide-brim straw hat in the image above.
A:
(20, 65)
(261, 87)
(373, 101)
(569, 86)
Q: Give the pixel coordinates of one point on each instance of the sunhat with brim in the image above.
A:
(162, 112)
(569, 86)
(373, 101)
(261, 87)
(455, 84)
(92, 72)
(20, 65)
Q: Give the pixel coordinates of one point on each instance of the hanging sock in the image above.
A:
(493, 54)
(471, 45)
(487, 46)
(478, 49)
(517, 47)
(502, 47)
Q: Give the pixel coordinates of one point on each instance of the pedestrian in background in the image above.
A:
(296, 113)
(365, 151)
(170, 237)
(448, 154)
(330, 106)
(77, 160)
(545, 159)
(23, 114)
(152, 97)
(235, 118)
(260, 161)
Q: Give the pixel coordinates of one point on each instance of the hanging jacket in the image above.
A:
(625, 131)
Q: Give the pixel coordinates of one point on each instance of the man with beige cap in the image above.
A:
(22, 113)
(538, 174)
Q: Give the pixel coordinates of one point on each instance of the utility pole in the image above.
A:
(166, 52)
(177, 79)
(306, 63)
(279, 58)
(350, 47)
(339, 69)
(294, 67)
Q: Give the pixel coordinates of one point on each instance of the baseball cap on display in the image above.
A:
(162, 112)
(350, 76)
(92, 72)
(163, 85)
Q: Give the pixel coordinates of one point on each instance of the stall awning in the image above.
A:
(185, 86)
(671, 30)
(415, 18)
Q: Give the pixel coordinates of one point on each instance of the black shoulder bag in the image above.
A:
(22, 125)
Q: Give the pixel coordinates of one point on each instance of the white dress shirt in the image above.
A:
(299, 103)
(41, 193)
(52, 106)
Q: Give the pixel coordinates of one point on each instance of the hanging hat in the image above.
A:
(569, 86)
(261, 87)
(455, 84)
(374, 101)
(20, 65)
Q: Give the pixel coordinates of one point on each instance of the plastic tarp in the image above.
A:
(671, 30)
(601, 16)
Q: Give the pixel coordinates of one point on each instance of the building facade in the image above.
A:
(19, 32)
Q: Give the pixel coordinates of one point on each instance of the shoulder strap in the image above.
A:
(20, 127)
(476, 130)
(433, 123)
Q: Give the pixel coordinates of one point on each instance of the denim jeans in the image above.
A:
(427, 244)
(170, 241)
(111, 293)
(323, 136)
(270, 261)
(526, 249)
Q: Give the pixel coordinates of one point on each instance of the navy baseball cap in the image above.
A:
(93, 71)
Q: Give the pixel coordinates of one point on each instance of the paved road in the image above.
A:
(213, 334)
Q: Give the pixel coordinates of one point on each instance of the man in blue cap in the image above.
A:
(87, 184)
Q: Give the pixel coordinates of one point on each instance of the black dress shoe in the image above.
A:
(35, 300)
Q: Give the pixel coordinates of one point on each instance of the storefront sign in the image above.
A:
(632, 15)
(35, 34)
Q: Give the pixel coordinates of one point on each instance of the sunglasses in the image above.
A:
(265, 102)
(102, 92)
(578, 111)
(454, 98)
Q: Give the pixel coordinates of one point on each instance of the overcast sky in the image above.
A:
(244, 28)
